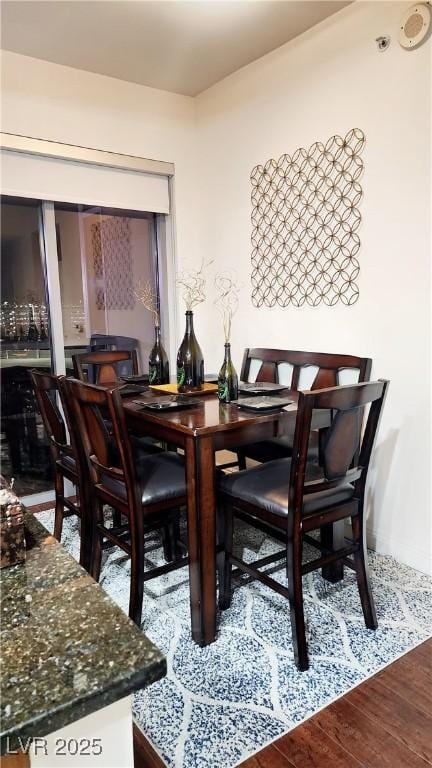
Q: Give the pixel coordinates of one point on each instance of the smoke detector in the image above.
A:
(415, 26)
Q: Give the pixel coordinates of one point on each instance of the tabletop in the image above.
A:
(210, 415)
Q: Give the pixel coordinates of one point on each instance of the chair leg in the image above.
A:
(295, 589)
(117, 518)
(170, 538)
(362, 572)
(59, 505)
(241, 458)
(167, 543)
(332, 537)
(137, 580)
(177, 551)
(96, 543)
(220, 543)
(224, 561)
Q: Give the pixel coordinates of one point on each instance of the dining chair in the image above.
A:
(103, 365)
(292, 497)
(299, 371)
(67, 462)
(147, 489)
(103, 368)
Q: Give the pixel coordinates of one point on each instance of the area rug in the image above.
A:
(219, 704)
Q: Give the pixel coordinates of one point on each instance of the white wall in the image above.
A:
(50, 101)
(325, 82)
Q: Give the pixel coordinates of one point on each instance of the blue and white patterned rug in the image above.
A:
(220, 704)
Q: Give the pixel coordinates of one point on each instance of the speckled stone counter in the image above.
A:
(66, 650)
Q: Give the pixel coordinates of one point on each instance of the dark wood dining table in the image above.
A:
(201, 431)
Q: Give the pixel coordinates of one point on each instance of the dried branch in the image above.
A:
(148, 297)
(192, 282)
(227, 299)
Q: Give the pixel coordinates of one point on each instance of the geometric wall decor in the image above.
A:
(112, 263)
(305, 222)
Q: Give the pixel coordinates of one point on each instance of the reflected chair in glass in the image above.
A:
(146, 489)
(291, 498)
(103, 341)
(104, 365)
(67, 462)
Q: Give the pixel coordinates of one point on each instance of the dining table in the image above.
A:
(200, 431)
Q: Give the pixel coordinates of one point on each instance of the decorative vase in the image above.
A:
(190, 361)
(158, 361)
(227, 379)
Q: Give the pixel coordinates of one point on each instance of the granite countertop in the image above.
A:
(66, 650)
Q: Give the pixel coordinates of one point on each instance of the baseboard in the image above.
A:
(415, 557)
(403, 551)
(35, 499)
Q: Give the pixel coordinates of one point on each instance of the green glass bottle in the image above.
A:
(158, 361)
(190, 361)
(227, 379)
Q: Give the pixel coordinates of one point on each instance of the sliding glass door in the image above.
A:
(69, 280)
(25, 344)
(103, 258)
(79, 226)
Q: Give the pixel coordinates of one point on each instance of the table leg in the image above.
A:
(201, 516)
(332, 537)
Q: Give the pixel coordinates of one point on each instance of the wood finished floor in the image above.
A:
(386, 722)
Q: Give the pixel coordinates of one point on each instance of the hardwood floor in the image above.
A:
(15, 761)
(144, 754)
(386, 722)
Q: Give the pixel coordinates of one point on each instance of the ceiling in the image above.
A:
(183, 46)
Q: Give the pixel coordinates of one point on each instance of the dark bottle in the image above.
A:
(158, 362)
(190, 361)
(227, 379)
(43, 334)
(32, 333)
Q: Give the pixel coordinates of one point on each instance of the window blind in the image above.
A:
(67, 181)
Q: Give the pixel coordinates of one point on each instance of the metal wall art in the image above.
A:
(112, 263)
(305, 222)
